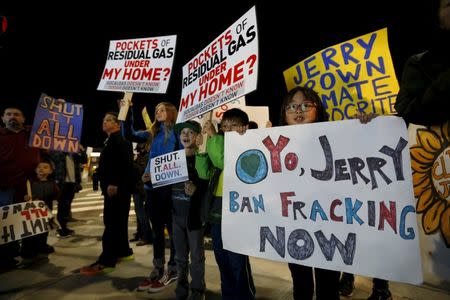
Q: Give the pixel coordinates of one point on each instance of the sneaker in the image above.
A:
(156, 274)
(64, 233)
(96, 269)
(145, 284)
(164, 282)
(142, 243)
(125, 258)
(380, 294)
(346, 287)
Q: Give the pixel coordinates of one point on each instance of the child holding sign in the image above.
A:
(47, 191)
(187, 219)
(235, 272)
(302, 106)
(160, 200)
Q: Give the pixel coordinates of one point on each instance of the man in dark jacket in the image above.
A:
(18, 162)
(115, 172)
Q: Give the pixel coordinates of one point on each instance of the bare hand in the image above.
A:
(189, 188)
(365, 118)
(111, 190)
(199, 140)
(146, 177)
(209, 129)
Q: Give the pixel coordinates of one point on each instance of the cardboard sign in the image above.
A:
(139, 65)
(22, 220)
(225, 70)
(333, 195)
(57, 125)
(357, 75)
(169, 168)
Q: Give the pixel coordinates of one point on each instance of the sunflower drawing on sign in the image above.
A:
(430, 161)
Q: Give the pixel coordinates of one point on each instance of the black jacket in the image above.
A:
(115, 166)
(424, 96)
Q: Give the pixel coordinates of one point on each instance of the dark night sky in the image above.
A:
(61, 50)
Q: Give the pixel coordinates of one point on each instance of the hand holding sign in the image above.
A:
(189, 188)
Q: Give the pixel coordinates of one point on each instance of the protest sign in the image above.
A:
(169, 168)
(333, 195)
(225, 70)
(22, 220)
(139, 65)
(357, 75)
(57, 125)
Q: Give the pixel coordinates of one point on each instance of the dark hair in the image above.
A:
(49, 162)
(115, 115)
(252, 125)
(13, 107)
(311, 95)
(236, 114)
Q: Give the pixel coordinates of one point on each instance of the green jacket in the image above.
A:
(209, 166)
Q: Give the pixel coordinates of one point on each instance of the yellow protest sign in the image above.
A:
(354, 75)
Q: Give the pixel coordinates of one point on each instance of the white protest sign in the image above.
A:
(139, 65)
(334, 195)
(225, 70)
(169, 168)
(22, 220)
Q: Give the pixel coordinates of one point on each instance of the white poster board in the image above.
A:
(333, 195)
(169, 168)
(22, 220)
(225, 70)
(139, 65)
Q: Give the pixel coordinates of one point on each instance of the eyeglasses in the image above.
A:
(304, 107)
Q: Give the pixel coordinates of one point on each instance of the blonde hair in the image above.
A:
(172, 112)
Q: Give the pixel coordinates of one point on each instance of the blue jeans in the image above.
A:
(144, 228)
(235, 272)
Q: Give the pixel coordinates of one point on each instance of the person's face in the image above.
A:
(109, 124)
(43, 170)
(188, 138)
(444, 14)
(300, 110)
(161, 113)
(231, 125)
(13, 118)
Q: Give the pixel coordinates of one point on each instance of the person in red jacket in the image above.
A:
(18, 162)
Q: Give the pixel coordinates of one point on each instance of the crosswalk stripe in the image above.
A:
(89, 202)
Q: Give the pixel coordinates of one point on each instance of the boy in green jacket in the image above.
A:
(235, 272)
